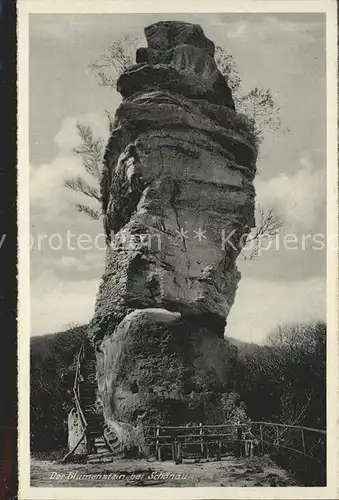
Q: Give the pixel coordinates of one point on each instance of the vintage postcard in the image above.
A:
(178, 249)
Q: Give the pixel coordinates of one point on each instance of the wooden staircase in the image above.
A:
(107, 447)
(103, 445)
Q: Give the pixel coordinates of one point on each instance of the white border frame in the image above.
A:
(25, 7)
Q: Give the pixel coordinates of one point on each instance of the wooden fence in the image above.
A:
(200, 440)
(306, 441)
(204, 441)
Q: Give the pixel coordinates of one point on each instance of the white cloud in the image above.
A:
(47, 183)
(67, 138)
(298, 197)
(260, 306)
(55, 303)
(47, 189)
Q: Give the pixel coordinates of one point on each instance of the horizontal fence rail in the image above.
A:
(306, 441)
(245, 439)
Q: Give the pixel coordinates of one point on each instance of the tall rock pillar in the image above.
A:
(178, 196)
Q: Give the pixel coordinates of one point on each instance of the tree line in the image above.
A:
(284, 380)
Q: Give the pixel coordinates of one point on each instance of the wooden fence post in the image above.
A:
(239, 441)
(157, 447)
(303, 441)
(201, 439)
(219, 451)
(262, 439)
(178, 452)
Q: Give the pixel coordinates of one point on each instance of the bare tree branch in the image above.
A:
(267, 227)
(90, 150)
(81, 186)
(93, 213)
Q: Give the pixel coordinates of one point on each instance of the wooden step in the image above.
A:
(94, 425)
(101, 446)
(102, 452)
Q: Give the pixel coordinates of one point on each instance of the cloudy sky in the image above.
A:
(285, 53)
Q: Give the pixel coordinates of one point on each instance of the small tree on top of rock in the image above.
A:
(115, 60)
(257, 104)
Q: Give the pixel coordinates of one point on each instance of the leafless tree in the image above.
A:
(268, 225)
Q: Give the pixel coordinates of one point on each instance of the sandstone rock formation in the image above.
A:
(177, 183)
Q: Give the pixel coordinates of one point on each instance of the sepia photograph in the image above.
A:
(176, 315)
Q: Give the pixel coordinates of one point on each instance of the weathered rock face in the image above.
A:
(177, 187)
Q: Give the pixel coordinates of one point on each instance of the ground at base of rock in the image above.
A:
(229, 472)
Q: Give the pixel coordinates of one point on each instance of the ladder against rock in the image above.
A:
(101, 443)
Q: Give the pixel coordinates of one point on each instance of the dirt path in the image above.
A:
(230, 471)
